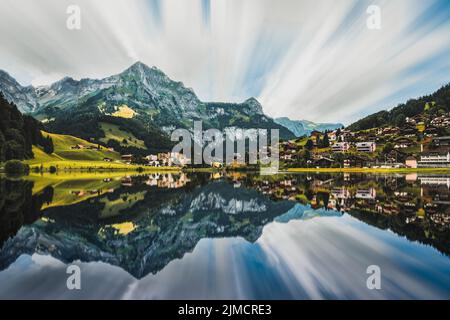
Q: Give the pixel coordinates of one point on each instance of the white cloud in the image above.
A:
(311, 59)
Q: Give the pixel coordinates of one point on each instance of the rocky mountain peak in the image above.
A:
(254, 106)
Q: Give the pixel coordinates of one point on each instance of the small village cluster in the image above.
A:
(412, 145)
(162, 159)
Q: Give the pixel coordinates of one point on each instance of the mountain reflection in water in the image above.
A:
(226, 236)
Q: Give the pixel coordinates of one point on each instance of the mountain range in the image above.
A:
(304, 127)
(141, 100)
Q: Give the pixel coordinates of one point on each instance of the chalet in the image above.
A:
(346, 135)
(402, 143)
(340, 147)
(442, 141)
(332, 136)
(431, 131)
(289, 146)
(411, 162)
(366, 146)
(127, 158)
(353, 161)
(388, 131)
(410, 120)
(442, 121)
(151, 157)
(434, 159)
(323, 162)
(408, 131)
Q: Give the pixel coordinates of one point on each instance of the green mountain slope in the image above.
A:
(435, 104)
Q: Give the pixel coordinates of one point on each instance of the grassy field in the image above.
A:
(65, 158)
(63, 151)
(124, 111)
(113, 132)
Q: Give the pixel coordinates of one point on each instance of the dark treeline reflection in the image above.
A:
(142, 223)
(18, 206)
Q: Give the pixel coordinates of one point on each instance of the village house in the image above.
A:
(411, 121)
(152, 160)
(354, 161)
(408, 131)
(434, 159)
(442, 141)
(388, 131)
(366, 146)
(332, 136)
(411, 162)
(127, 158)
(323, 162)
(402, 143)
(346, 135)
(340, 147)
(169, 159)
(431, 131)
(441, 122)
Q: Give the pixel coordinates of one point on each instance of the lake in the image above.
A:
(225, 236)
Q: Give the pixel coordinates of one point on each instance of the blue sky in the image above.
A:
(306, 59)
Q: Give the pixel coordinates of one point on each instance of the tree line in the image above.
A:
(18, 133)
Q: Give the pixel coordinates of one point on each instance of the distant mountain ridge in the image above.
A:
(140, 96)
(305, 127)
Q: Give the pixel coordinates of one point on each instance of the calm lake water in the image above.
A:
(235, 236)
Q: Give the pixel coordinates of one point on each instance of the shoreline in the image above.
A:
(369, 170)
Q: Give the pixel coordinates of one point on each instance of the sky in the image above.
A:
(305, 59)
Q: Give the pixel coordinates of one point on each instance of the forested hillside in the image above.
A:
(18, 133)
(435, 104)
